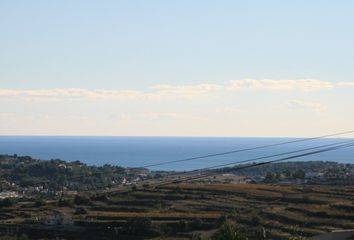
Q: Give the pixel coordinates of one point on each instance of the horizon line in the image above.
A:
(162, 136)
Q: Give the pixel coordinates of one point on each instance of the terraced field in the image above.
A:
(181, 211)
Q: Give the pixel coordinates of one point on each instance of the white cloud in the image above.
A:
(278, 85)
(71, 93)
(170, 116)
(155, 93)
(228, 110)
(187, 90)
(163, 91)
(345, 84)
(313, 106)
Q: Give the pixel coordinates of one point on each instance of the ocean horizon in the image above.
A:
(131, 151)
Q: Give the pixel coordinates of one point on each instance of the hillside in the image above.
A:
(25, 173)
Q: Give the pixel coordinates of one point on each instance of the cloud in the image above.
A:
(163, 91)
(278, 85)
(187, 90)
(228, 110)
(153, 93)
(71, 93)
(170, 116)
(345, 84)
(313, 106)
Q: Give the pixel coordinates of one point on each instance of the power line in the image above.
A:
(243, 161)
(257, 158)
(235, 151)
(280, 154)
(245, 149)
(347, 145)
(325, 148)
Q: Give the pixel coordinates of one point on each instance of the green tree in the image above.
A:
(82, 200)
(229, 231)
(269, 177)
(8, 202)
(299, 174)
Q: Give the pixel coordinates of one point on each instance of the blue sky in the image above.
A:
(220, 68)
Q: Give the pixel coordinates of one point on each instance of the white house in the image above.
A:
(8, 194)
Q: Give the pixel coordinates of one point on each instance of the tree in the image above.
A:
(82, 200)
(229, 231)
(287, 173)
(8, 202)
(278, 176)
(80, 210)
(139, 226)
(299, 174)
(39, 202)
(269, 177)
(297, 233)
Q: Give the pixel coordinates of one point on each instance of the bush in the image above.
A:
(100, 197)
(80, 210)
(255, 220)
(229, 231)
(139, 226)
(64, 203)
(23, 237)
(8, 202)
(82, 200)
(197, 223)
(39, 202)
(178, 189)
(182, 225)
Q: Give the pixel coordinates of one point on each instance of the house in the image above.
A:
(335, 235)
(124, 181)
(8, 194)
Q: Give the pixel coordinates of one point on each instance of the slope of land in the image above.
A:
(277, 207)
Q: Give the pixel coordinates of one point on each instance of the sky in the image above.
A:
(176, 68)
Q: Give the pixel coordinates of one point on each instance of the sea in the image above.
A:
(143, 151)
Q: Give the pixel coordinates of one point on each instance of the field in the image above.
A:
(186, 210)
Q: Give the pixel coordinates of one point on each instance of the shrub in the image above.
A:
(139, 226)
(100, 197)
(23, 237)
(255, 220)
(178, 189)
(82, 200)
(197, 223)
(39, 202)
(8, 202)
(182, 225)
(145, 186)
(64, 203)
(80, 210)
(229, 231)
